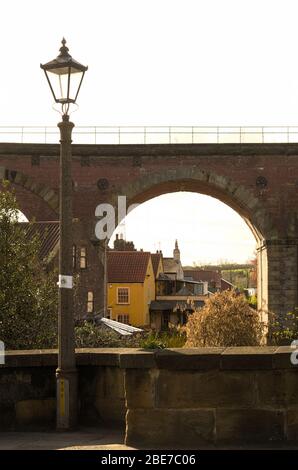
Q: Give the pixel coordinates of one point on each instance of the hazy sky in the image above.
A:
(157, 62)
(206, 229)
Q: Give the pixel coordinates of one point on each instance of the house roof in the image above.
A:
(203, 275)
(47, 233)
(127, 266)
(156, 257)
(121, 328)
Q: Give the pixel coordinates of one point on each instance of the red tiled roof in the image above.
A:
(127, 266)
(156, 257)
(48, 235)
(203, 275)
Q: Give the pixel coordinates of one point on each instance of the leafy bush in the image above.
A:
(175, 337)
(286, 330)
(90, 335)
(225, 320)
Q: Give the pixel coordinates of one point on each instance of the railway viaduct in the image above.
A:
(259, 181)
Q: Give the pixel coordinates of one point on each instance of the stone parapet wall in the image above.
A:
(184, 397)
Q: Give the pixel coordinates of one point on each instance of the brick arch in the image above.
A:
(235, 195)
(34, 198)
(193, 179)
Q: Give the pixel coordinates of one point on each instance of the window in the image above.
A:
(74, 256)
(123, 295)
(109, 313)
(83, 257)
(123, 319)
(90, 302)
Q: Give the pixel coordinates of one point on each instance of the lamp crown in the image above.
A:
(64, 50)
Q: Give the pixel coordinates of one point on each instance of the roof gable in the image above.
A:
(127, 266)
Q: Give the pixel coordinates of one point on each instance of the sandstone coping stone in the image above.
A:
(137, 359)
(182, 358)
(251, 358)
(282, 358)
(236, 358)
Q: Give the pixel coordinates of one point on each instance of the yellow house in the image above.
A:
(130, 286)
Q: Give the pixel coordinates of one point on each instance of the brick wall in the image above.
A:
(229, 172)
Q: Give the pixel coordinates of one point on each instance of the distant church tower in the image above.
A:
(176, 252)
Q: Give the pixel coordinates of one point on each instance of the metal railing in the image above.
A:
(153, 135)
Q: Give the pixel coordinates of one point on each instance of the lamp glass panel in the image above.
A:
(59, 83)
(75, 80)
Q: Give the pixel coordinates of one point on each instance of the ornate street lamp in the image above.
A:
(65, 75)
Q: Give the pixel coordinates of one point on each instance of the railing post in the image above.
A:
(144, 135)
(170, 140)
(192, 134)
(119, 133)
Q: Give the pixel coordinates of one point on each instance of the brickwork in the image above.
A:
(259, 181)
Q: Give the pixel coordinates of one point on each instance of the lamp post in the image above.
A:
(65, 76)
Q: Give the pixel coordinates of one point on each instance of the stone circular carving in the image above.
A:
(103, 184)
(261, 182)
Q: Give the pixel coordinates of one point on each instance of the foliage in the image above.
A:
(284, 331)
(90, 335)
(225, 320)
(153, 341)
(253, 301)
(28, 295)
(175, 337)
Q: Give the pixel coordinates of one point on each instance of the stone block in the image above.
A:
(189, 359)
(292, 425)
(183, 389)
(111, 410)
(249, 358)
(110, 383)
(31, 412)
(140, 388)
(249, 425)
(7, 417)
(98, 356)
(271, 388)
(137, 359)
(291, 387)
(190, 428)
(282, 358)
